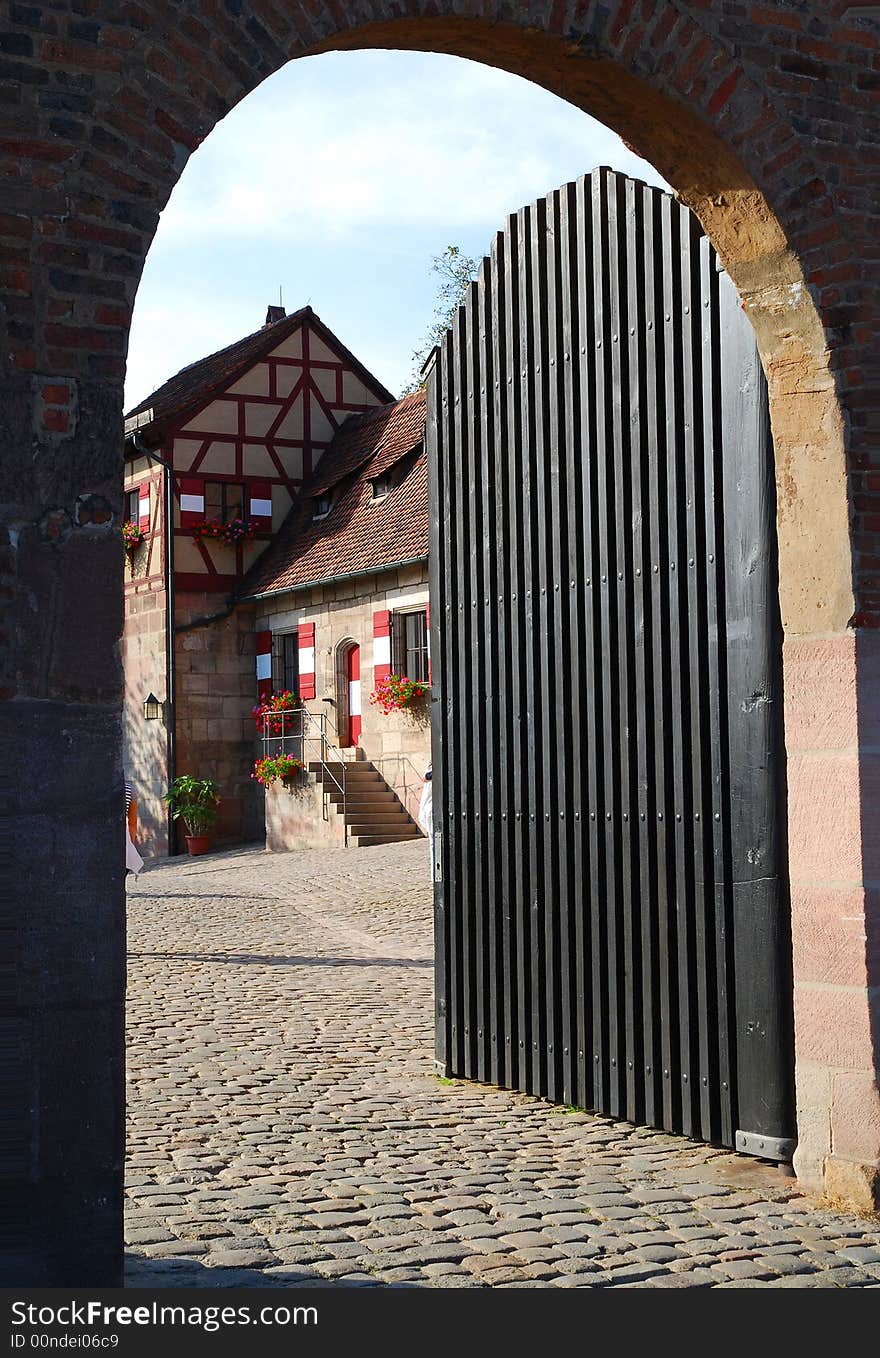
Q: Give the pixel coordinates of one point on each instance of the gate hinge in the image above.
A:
(766, 1147)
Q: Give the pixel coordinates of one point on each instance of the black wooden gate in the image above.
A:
(611, 902)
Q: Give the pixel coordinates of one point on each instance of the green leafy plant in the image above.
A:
(194, 801)
(456, 271)
(277, 766)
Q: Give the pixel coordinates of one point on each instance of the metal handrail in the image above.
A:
(312, 731)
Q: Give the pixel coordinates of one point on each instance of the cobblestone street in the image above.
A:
(286, 1127)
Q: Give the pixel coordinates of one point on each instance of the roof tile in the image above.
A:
(359, 534)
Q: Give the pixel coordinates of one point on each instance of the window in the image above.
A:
(224, 500)
(411, 645)
(290, 661)
(382, 485)
(322, 504)
(132, 509)
(285, 661)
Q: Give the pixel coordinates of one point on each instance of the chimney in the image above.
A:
(273, 314)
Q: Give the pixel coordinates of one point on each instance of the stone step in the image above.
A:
(374, 811)
(378, 796)
(366, 825)
(355, 769)
(366, 841)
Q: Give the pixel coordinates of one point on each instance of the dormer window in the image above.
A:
(322, 504)
(382, 485)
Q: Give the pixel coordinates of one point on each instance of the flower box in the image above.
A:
(396, 692)
(283, 766)
(230, 533)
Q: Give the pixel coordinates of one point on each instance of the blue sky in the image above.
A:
(338, 180)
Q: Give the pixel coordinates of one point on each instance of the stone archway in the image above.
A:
(757, 124)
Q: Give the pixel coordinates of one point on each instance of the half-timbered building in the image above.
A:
(215, 459)
(341, 604)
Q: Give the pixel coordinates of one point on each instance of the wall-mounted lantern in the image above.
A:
(152, 707)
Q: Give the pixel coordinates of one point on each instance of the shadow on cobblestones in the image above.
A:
(286, 1127)
(156, 1273)
(260, 959)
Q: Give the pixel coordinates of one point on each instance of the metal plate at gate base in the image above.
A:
(766, 1147)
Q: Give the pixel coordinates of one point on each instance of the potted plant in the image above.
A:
(269, 713)
(284, 766)
(132, 536)
(395, 692)
(194, 801)
(230, 532)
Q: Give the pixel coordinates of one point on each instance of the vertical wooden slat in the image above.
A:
(620, 577)
(660, 767)
(593, 690)
(521, 1043)
(642, 1062)
(454, 789)
(487, 692)
(547, 709)
(439, 511)
(473, 691)
(609, 659)
(463, 805)
(693, 571)
(677, 674)
(567, 641)
(718, 782)
(504, 488)
(533, 489)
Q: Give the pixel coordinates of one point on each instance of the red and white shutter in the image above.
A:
(381, 645)
(306, 645)
(192, 501)
(259, 509)
(264, 663)
(144, 507)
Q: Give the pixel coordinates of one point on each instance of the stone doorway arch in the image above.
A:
(345, 650)
(757, 123)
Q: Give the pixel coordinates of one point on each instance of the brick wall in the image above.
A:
(762, 115)
(215, 691)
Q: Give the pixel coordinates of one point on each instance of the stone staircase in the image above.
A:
(373, 813)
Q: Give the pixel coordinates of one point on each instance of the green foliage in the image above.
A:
(456, 272)
(194, 801)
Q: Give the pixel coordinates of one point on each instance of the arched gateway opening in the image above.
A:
(114, 107)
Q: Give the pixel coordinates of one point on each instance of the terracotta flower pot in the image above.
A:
(198, 844)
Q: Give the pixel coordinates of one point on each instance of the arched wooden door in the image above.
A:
(352, 689)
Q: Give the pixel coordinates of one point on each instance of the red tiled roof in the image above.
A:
(194, 385)
(359, 535)
(380, 436)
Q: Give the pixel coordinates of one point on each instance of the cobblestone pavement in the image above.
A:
(286, 1127)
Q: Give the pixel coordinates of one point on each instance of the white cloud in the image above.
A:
(340, 176)
(339, 143)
